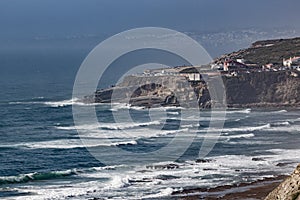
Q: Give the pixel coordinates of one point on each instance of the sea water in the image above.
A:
(43, 157)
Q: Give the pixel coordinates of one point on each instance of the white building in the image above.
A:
(194, 77)
(291, 61)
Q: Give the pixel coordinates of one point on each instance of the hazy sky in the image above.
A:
(35, 34)
(30, 18)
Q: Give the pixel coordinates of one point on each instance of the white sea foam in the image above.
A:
(111, 126)
(127, 106)
(173, 113)
(54, 104)
(168, 108)
(203, 118)
(250, 135)
(247, 128)
(286, 154)
(220, 170)
(64, 103)
(280, 111)
(190, 125)
(57, 192)
(246, 111)
(118, 182)
(297, 120)
(119, 106)
(239, 129)
(163, 193)
(286, 123)
(289, 129)
(70, 144)
(22, 102)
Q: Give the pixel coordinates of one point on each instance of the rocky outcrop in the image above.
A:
(289, 189)
(155, 91)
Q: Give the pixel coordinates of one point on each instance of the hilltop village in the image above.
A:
(262, 56)
(265, 75)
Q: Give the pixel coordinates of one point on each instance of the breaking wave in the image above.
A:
(69, 144)
(246, 111)
(24, 178)
(250, 135)
(54, 104)
(109, 126)
(239, 129)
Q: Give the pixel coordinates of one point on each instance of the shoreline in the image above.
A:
(265, 105)
(256, 190)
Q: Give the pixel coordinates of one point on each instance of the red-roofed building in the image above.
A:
(233, 65)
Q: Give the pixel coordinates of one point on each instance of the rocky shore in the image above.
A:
(257, 190)
(277, 188)
(289, 189)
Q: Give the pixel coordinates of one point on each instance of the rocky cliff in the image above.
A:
(155, 91)
(263, 89)
(257, 89)
(288, 189)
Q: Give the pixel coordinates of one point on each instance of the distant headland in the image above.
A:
(267, 74)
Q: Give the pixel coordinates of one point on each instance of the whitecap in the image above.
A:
(280, 111)
(163, 193)
(63, 103)
(117, 182)
(250, 135)
(71, 144)
(111, 126)
(239, 129)
(286, 123)
(246, 111)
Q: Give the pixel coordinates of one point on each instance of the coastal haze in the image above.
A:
(43, 156)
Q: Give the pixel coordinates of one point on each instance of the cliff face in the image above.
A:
(288, 189)
(257, 89)
(263, 89)
(155, 91)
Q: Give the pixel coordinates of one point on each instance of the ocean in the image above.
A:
(43, 157)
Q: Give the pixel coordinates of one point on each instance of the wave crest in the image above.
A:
(24, 178)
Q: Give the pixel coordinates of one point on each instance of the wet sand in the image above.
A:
(255, 191)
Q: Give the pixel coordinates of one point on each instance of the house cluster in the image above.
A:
(232, 67)
(189, 73)
(229, 67)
